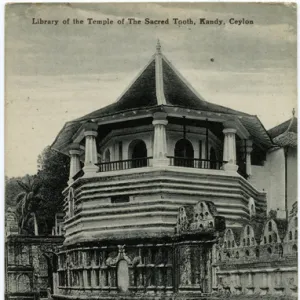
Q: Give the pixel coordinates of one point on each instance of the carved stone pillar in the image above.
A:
(279, 287)
(55, 283)
(264, 288)
(85, 278)
(185, 268)
(91, 158)
(238, 286)
(250, 287)
(140, 272)
(160, 140)
(74, 161)
(93, 278)
(248, 157)
(229, 151)
(246, 149)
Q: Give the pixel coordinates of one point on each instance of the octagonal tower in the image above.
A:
(164, 172)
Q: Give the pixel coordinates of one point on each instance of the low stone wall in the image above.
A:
(29, 265)
(258, 262)
(258, 281)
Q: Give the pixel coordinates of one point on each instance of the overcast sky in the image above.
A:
(57, 73)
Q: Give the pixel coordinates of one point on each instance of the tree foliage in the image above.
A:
(53, 173)
(48, 184)
(27, 205)
(12, 189)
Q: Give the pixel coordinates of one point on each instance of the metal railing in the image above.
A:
(145, 162)
(124, 164)
(195, 163)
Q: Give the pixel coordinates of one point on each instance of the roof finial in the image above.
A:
(292, 120)
(158, 47)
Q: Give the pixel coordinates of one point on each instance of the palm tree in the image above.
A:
(27, 203)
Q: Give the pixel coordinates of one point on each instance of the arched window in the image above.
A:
(244, 242)
(107, 156)
(269, 250)
(23, 283)
(248, 242)
(270, 226)
(138, 152)
(290, 235)
(252, 240)
(280, 250)
(184, 154)
(270, 239)
(248, 230)
(296, 234)
(265, 240)
(213, 158)
(295, 248)
(275, 238)
(296, 221)
(237, 255)
(228, 244)
(247, 253)
(232, 244)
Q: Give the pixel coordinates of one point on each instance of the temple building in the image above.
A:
(172, 196)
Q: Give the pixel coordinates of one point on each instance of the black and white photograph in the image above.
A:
(151, 151)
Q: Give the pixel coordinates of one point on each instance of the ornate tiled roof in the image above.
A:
(286, 139)
(160, 84)
(285, 134)
(290, 125)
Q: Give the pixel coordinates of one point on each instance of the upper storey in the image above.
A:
(158, 85)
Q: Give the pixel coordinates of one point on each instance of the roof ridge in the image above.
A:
(159, 82)
(183, 79)
(195, 92)
(134, 79)
(291, 122)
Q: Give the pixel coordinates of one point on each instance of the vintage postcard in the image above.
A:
(151, 151)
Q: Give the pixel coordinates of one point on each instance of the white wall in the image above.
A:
(194, 135)
(271, 178)
(292, 180)
(126, 139)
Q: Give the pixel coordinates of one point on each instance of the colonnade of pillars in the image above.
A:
(150, 271)
(159, 148)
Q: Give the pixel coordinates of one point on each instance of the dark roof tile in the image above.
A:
(141, 95)
(283, 127)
